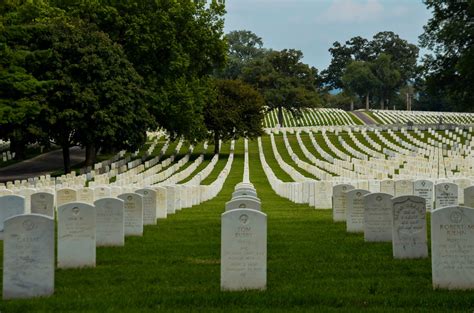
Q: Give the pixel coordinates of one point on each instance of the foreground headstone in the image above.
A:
(378, 217)
(424, 189)
(339, 202)
(42, 203)
(243, 202)
(469, 197)
(133, 213)
(28, 257)
(76, 235)
(452, 247)
(109, 222)
(355, 210)
(409, 240)
(10, 206)
(149, 205)
(322, 194)
(446, 194)
(243, 250)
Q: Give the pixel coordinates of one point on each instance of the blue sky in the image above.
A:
(313, 25)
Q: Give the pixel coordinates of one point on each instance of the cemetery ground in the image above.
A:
(313, 265)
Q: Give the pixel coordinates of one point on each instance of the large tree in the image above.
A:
(237, 111)
(284, 81)
(449, 34)
(403, 59)
(94, 96)
(359, 79)
(243, 48)
(173, 45)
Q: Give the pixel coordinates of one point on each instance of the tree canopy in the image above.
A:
(237, 111)
(449, 69)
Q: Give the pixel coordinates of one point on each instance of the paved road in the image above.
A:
(40, 165)
(364, 117)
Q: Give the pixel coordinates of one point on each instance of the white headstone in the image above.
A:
(76, 235)
(65, 195)
(378, 217)
(243, 202)
(109, 222)
(452, 247)
(170, 199)
(102, 192)
(387, 186)
(446, 194)
(10, 206)
(133, 213)
(424, 189)
(243, 250)
(355, 210)
(403, 187)
(161, 203)
(42, 203)
(409, 238)
(149, 205)
(28, 257)
(339, 202)
(85, 194)
(469, 197)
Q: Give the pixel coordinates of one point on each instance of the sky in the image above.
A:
(313, 25)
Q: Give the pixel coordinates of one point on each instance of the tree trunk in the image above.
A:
(19, 148)
(352, 105)
(367, 107)
(91, 154)
(381, 104)
(280, 116)
(216, 143)
(66, 159)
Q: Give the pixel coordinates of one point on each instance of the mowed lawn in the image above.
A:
(313, 266)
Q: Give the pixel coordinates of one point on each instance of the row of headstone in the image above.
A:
(29, 240)
(402, 221)
(243, 241)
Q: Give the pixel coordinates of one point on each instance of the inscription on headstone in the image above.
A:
(424, 189)
(446, 194)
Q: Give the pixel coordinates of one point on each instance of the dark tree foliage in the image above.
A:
(449, 71)
(236, 112)
(284, 81)
(403, 59)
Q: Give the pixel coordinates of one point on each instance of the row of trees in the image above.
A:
(101, 73)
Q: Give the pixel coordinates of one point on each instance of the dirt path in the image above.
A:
(40, 165)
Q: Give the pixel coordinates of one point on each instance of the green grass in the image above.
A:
(285, 155)
(313, 266)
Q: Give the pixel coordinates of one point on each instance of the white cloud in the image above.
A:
(350, 11)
